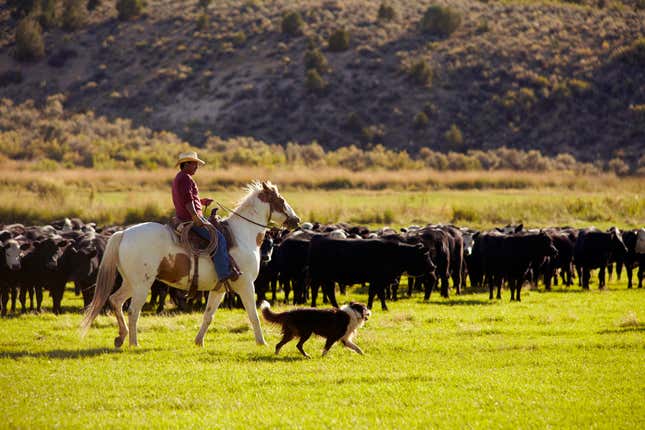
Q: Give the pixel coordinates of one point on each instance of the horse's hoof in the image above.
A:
(118, 342)
(199, 342)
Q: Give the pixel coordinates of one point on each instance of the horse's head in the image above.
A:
(279, 210)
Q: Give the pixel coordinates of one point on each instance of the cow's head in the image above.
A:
(548, 249)
(420, 263)
(618, 246)
(50, 251)
(13, 253)
(266, 250)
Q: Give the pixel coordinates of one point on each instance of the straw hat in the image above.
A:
(189, 156)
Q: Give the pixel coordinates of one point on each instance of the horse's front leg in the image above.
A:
(214, 300)
(247, 294)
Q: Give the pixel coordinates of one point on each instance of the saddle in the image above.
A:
(197, 246)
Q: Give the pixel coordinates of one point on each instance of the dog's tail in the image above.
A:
(268, 314)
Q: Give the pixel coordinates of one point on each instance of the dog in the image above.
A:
(332, 324)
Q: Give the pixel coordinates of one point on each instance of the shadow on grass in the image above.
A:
(272, 358)
(69, 354)
(451, 302)
(627, 329)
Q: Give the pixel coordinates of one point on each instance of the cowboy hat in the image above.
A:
(189, 156)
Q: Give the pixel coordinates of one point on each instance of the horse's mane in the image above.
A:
(252, 189)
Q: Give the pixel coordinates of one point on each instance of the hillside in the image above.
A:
(557, 77)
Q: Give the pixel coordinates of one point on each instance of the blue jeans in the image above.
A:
(220, 258)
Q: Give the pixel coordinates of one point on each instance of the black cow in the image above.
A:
(40, 269)
(439, 245)
(594, 250)
(354, 261)
(511, 258)
(633, 258)
(564, 242)
(11, 254)
(290, 262)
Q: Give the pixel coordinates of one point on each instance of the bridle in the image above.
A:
(247, 219)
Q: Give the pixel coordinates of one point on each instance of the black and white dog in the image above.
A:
(332, 324)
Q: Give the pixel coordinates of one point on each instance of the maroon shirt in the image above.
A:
(184, 189)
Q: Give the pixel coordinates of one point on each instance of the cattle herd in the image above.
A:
(318, 257)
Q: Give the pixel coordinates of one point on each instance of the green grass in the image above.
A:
(473, 208)
(561, 359)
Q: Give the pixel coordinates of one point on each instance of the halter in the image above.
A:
(245, 218)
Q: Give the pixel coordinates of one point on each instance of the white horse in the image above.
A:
(145, 252)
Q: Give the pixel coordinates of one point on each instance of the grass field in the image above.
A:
(563, 359)
(476, 199)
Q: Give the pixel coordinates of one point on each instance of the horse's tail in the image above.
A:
(104, 281)
(269, 315)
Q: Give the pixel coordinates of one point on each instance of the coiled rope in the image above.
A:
(212, 245)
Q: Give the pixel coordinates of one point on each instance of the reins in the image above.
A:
(245, 218)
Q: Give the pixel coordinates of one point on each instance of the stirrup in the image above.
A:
(224, 283)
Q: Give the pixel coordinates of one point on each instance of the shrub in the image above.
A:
(618, 166)
(386, 12)
(635, 53)
(421, 120)
(314, 82)
(203, 21)
(421, 73)
(48, 18)
(440, 21)
(129, 9)
(292, 23)
(314, 59)
(339, 40)
(453, 136)
(92, 4)
(74, 14)
(10, 77)
(29, 40)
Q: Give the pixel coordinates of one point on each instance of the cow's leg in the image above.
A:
(214, 300)
(248, 300)
(4, 299)
(410, 285)
(380, 290)
(14, 294)
(586, 274)
(610, 271)
(57, 296)
(641, 269)
(444, 286)
(116, 302)
(628, 269)
(329, 289)
(428, 284)
(580, 272)
(314, 292)
(601, 277)
(23, 298)
(371, 292)
(39, 297)
(31, 299)
(518, 289)
(499, 281)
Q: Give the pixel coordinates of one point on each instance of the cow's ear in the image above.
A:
(519, 228)
(25, 246)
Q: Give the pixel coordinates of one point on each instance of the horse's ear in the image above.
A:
(265, 186)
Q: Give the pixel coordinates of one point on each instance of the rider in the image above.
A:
(188, 207)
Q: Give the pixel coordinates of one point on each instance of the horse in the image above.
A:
(147, 251)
